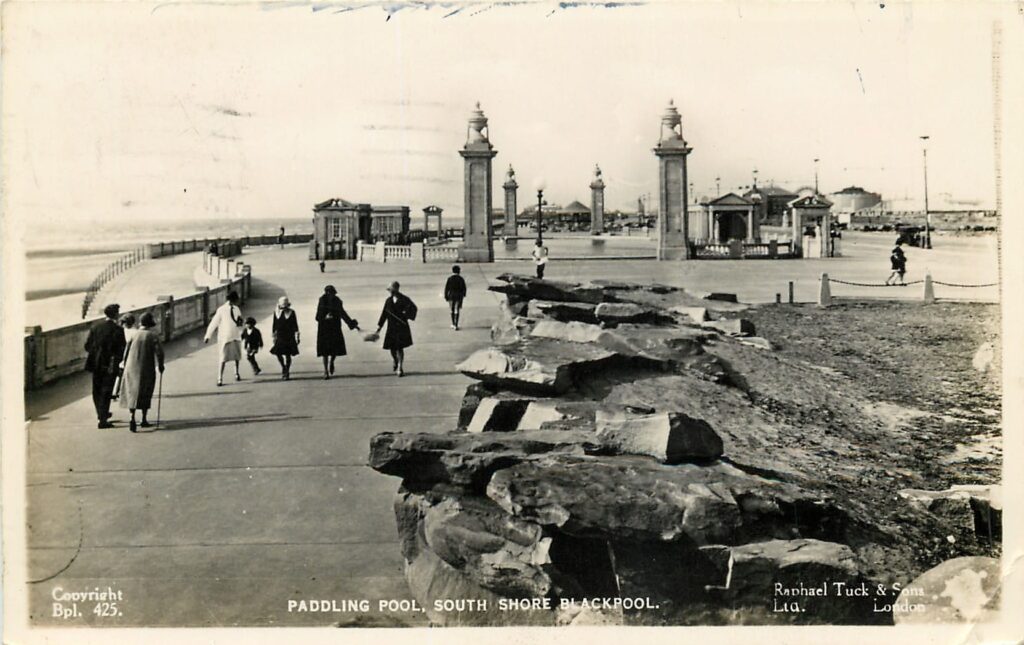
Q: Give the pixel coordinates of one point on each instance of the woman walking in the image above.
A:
(227, 322)
(145, 355)
(285, 332)
(330, 342)
(398, 311)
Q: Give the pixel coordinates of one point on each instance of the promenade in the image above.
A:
(257, 493)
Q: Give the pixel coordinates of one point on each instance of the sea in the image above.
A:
(63, 257)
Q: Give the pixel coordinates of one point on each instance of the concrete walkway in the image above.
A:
(257, 493)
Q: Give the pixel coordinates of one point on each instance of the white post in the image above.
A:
(824, 293)
(929, 290)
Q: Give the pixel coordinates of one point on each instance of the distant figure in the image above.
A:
(145, 357)
(540, 256)
(455, 293)
(280, 238)
(252, 342)
(899, 264)
(213, 249)
(105, 350)
(227, 321)
(397, 312)
(323, 265)
(330, 342)
(286, 336)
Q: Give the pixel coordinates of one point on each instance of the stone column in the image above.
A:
(477, 154)
(511, 214)
(750, 224)
(597, 203)
(673, 233)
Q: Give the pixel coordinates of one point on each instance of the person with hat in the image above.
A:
(227, 321)
(330, 342)
(144, 356)
(104, 348)
(285, 333)
(398, 310)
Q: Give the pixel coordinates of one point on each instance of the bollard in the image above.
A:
(824, 294)
(790, 292)
(778, 298)
(929, 290)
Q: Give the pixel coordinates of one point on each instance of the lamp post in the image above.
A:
(718, 189)
(540, 185)
(927, 214)
(816, 160)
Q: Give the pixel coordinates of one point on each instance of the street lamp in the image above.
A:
(539, 185)
(927, 215)
(816, 160)
(718, 189)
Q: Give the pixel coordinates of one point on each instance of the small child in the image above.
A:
(252, 341)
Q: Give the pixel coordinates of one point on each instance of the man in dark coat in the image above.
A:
(330, 342)
(105, 347)
(455, 293)
(398, 311)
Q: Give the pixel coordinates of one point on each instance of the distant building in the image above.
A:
(853, 199)
(770, 203)
(338, 225)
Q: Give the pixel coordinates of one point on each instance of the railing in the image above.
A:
(397, 252)
(114, 269)
(440, 254)
(415, 252)
(772, 249)
(58, 352)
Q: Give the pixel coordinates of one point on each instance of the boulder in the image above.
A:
(962, 590)
(696, 315)
(470, 400)
(635, 498)
(973, 508)
(615, 313)
(501, 553)
(509, 329)
(468, 460)
(539, 365)
(498, 414)
(519, 288)
(720, 296)
(731, 326)
(758, 342)
(573, 332)
(561, 311)
(669, 437)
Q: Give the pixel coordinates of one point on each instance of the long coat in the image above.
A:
(145, 354)
(396, 315)
(329, 314)
(285, 330)
(227, 322)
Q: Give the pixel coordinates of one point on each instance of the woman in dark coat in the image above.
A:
(330, 342)
(143, 357)
(285, 331)
(398, 311)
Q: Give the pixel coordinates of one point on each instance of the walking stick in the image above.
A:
(159, 397)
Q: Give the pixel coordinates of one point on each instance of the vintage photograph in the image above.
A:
(408, 315)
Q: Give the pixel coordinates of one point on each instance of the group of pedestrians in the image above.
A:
(125, 361)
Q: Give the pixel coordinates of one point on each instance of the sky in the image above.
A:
(133, 111)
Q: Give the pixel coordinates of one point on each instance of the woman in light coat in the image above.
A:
(227, 321)
(144, 356)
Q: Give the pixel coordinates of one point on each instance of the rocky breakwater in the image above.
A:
(635, 454)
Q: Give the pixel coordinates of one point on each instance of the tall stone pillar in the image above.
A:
(478, 153)
(597, 203)
(673, 230)
(511, 223)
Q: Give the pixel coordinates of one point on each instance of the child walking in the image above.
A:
(252, 341)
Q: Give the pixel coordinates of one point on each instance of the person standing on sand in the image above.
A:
(898, 261)
(397, 312)
(540, 257)
(145, 355)
(330, 342)
(285, 330)
(454, 294)
(227, 322)
(105, 351)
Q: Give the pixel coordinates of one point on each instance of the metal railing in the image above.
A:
(111, 271)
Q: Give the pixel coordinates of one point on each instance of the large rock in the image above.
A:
(562, 311)
(636, 498)
(962, 590)
(536, 366)
(498, 414)
(519, 288)
(973, 508)
(731, 326)
(669, 437)
(616, 313)
(695, 315)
